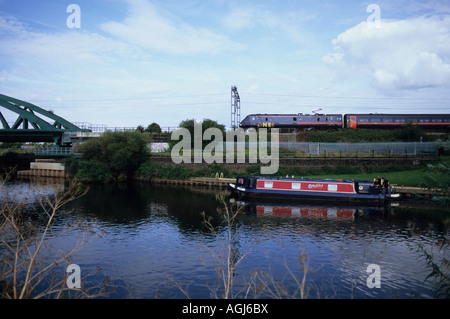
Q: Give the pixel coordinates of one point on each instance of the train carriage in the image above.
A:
(430, 121)
(292, 121)
(435, 122)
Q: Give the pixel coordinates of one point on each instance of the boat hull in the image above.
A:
(310, 191)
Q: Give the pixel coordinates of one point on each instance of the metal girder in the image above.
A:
(235, 107)
(29, 127)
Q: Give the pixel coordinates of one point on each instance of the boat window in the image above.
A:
(295, 186)
(268, 184)
(332, 188)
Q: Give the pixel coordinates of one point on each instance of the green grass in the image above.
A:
(413, 177)
(396, 174)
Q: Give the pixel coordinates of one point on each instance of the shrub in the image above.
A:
(112, 156)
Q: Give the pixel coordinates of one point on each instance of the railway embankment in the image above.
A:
(163, 167)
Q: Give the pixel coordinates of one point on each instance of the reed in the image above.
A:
(24, 269)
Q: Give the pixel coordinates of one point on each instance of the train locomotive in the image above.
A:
(438, 122)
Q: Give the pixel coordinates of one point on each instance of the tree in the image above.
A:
(438, 181)
(410, 133)
(206, 124)
(153, 128)
(112, 156)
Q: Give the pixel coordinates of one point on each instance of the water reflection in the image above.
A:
(312, 211)
(151, 234)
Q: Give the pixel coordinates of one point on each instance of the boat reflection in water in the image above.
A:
(305, 210)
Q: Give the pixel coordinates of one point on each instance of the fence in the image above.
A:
(100, 128)
(362, 149)
(299, 149)
(53, 151)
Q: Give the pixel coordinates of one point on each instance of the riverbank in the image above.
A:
(218, 182)
(407, 174)
(400, 171)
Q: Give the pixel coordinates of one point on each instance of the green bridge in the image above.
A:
(34, 124)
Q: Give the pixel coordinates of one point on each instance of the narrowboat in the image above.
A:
(334, 190)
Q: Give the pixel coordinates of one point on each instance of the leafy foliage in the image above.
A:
(153, 128)
(438, 180)
(206, 124)
(408, 133)
(112, 156)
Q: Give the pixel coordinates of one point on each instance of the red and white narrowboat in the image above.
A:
(345, 191)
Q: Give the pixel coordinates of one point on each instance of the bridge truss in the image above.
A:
(34, 124)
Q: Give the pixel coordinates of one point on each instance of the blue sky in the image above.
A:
(134, 62)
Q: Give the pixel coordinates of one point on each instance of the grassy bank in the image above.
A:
(398, 175)
(415, 177)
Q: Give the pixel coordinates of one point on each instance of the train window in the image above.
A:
(318, 119)
(294, 119)
(267, 119)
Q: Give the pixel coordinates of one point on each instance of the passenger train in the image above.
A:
(306, 121)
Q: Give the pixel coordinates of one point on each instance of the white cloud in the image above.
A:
(250, 17)
(257, 17)
(400, 55)
(57, 48)
(149, 28)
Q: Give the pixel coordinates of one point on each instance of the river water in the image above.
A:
(150, 242)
